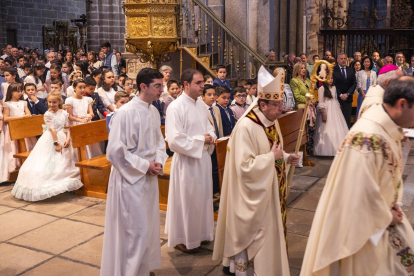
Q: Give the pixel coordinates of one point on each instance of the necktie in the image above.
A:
(343, 72)
(214, 121)
(32, 104)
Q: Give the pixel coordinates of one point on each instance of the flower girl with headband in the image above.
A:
(15, 107)
(50, 168)
(72, 77)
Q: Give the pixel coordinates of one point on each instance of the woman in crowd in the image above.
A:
(166, 72)
(366, 78)
(93, 60)
(299, 84)
(69, 57)
(121, 63)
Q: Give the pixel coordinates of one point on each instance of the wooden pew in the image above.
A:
(95, 171)
(24, 128)
(289, 126)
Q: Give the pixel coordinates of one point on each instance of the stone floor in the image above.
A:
(63, 235)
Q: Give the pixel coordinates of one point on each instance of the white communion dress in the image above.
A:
(330, 134)
(46, 172)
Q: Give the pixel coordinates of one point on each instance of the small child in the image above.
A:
(80, 111)
(56, 85)
(251, 89)
(107, 89)
(37, 106)
(26, 69)
(97, 104)
(34, 76)
(129, 86)
(15, 107)
(56, 74)
(181, 89)
(121, 86)
(214, 117)
(221, 79)
(50, 168)
(240, 106)
(72, 77)
(10, 76)
(173, 90)
(121, 98)
(227, 116)
(213, 111)
(208, 80)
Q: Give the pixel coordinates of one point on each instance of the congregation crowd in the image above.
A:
(77, 88)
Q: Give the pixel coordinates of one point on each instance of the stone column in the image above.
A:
(312, 8)
(106, 24)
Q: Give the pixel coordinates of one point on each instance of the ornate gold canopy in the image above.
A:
(151, 28)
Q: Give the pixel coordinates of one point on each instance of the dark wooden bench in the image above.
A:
(24, 128)
(94, 171)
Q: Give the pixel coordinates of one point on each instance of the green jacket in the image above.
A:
(299, 90)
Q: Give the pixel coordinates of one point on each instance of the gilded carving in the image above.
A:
(163, 26)
(137, 9)
(137, 26)
(205, 60)
(193, 50)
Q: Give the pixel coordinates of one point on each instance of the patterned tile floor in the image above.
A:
(63, 235)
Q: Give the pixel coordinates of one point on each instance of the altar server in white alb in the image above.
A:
(191, 137)
(136, 150)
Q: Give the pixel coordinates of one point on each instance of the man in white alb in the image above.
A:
(191, 137)
(136, 150)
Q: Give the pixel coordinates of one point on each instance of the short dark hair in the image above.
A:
(106, 45)
(96, 72)
(122, 76)
(207, 87)
(187, 75)
(58, 82)
(399, 89)
(9, 60)
(147, 76)
(239, 89)
(90, 81)
(125, 80)
(371, 63)
(171, 82)
(262, 101)
(19, 57)
(222, 90)
(221, 66)
(314, 56)
(27, 65)
(29, 84)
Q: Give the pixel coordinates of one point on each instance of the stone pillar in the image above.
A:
(312, 8)
(106, 24)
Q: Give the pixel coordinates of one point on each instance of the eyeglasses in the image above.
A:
(130, 84)
(241, 96)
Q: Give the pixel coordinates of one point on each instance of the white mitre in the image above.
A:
(269, 87)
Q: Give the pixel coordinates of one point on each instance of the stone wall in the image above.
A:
(28, 17)
(106, 23)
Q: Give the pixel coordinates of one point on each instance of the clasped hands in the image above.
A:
(208, 139)
(396, 214)
(344, 97)
(154, 168)
(278, 154)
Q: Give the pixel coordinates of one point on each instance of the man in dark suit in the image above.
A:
(345, 82)
(37, 106)
(410, 70)
(160, 107)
